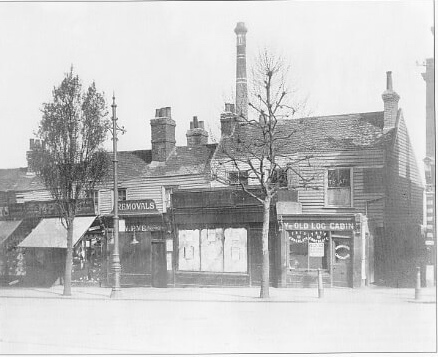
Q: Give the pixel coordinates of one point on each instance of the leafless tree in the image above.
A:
(256, 148)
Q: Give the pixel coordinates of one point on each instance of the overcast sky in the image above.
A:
(182, 55)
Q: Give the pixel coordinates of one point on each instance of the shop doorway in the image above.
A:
(341, 260)
(159, 266)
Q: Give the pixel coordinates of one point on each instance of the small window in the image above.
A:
(339, 187)
(122, 194)
(168, 190)
(19, 198)
(94, 195)
(279, 177)
(237, 177)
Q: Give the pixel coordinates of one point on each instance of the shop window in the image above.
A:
(122, 194)
(238, 177)
(213, 250)
(338, 190)
(308, 250)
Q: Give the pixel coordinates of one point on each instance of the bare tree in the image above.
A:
(71, 160)
(255, 149)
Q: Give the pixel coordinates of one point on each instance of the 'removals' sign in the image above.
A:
(137, 206)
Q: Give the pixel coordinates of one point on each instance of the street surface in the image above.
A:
(68, 325)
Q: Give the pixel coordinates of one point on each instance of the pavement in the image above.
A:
(371, 294)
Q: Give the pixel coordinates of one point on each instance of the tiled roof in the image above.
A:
(326, 133)
(18, 180)
(183, 161)
(131, 164)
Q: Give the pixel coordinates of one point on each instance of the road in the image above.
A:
(105, 326)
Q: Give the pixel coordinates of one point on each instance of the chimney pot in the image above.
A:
(195, 122)
(201, 124)
(31, 144)
(389, 80)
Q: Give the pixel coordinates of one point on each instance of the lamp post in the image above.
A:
(115, 263)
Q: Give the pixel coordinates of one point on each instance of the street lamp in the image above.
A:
(115, 263)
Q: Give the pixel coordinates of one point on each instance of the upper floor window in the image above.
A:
(122, 194)
(237, 177)
(168, 190)
(19, 198)
(94, 195)
(280, 177)
(339, 187)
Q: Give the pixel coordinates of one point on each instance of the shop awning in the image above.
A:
(7, 228)
(50, 233)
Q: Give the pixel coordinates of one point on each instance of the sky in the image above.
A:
(182, 55)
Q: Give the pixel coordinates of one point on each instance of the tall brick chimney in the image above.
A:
(197, 135)
(162, 134)
(228, 119)
(241, 84)
(390, 104)
(34, 144)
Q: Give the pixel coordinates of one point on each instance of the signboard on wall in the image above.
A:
(315, 225)
(47, 208)
(137, 207)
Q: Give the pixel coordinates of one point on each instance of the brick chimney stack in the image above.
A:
(241, 84)
(390, 103)
(197, 135)
(34, 144)
(162, 134)
(228, 119)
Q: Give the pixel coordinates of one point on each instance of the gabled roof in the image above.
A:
(325, 133)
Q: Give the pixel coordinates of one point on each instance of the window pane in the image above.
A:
(212, 258)
(298, 255)
(339, 197)
(189, 258)
(339, 178)
(235, 257)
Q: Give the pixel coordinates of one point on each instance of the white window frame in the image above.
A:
(326, 205)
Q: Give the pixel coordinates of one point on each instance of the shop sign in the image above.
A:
(429, 242)
(137, 206)
(331, 226)
(142, 227)
(316, 249)
(47, 208)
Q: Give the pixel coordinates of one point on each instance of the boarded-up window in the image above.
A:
(235, 257)
(189, 258)
(372, 180)
(212, 250)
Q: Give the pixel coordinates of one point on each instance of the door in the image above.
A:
(341, 261)
(159, 265)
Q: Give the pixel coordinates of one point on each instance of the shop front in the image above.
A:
(218, 238)
(338, 245)
(142, 244)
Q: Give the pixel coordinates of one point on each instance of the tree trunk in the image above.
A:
(68, 258)
(264, 288)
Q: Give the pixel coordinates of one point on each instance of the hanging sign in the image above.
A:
(316, 249)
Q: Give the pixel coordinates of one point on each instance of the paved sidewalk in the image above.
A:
(368, 295)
